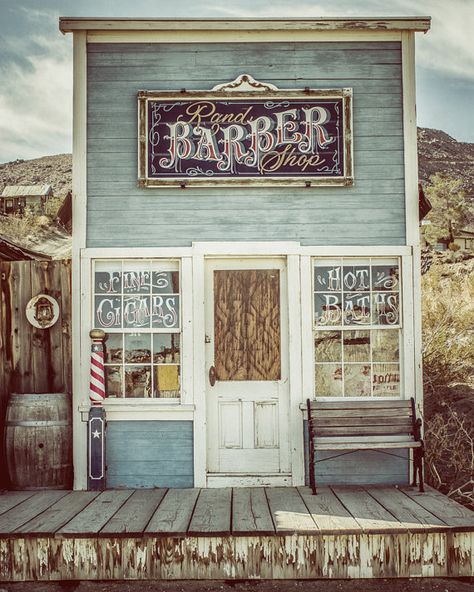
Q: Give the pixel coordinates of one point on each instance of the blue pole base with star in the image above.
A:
(96, 467)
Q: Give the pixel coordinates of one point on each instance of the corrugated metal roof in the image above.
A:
(26, 190)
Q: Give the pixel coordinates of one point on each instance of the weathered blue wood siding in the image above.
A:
(122, 215)
(362, 467)
(149, 454)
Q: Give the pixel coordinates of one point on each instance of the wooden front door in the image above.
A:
(247, 366)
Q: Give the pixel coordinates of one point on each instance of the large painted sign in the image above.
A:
(245, 133)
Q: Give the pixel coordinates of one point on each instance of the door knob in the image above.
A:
(212, 376)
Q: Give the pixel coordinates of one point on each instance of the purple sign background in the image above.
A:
(255, 138)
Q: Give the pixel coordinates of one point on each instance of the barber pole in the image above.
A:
(97, 380)
(96, 422)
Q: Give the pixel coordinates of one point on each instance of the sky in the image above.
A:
(36, 59)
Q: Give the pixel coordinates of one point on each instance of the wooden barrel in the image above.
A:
(38, 441)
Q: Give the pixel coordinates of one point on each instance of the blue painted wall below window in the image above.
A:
(149, 454)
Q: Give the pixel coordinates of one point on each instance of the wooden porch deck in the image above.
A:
(356, 532)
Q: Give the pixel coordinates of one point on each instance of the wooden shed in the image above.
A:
(245, 232)
(15, 198)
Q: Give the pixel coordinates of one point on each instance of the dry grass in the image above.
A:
(448, 358)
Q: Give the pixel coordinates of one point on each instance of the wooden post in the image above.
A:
(97, 422)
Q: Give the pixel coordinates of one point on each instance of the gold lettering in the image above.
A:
(199, 111)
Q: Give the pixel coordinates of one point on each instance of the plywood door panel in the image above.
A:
(247, 324)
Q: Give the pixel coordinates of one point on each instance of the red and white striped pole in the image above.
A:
(96, 425)
(97, 379)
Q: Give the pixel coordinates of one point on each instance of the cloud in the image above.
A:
(36, 108)
(446, 48)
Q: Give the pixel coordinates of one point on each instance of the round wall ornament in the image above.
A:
(42, 311)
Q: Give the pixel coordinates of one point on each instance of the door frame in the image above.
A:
(280, 385)
(290, 251)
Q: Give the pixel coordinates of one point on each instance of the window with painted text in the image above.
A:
(357, 327)
(137, 304)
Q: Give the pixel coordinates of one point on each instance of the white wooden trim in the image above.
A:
(417, 329)
(307, 353)
(407, 369)
(246, 249)
(410, 139)
(199, 387)
(296, 439)
(239, 36)
(187, 341)
(79, 208)
(356, 251)
(333, 24)
(140, 253)
(235, 480)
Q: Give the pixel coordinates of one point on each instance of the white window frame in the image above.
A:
(140, 407)
(407, 360)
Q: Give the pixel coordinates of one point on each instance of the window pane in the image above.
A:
(113, 381)
(166, 348)
(327, 279)
(328, 309)
(386, 380)
(385, 277)
(356, 278)
(166, 381)
(357, 309)
(328, 380)
(137, 348)
(137, 381)
(113, 348)
(136, 312)
(136, 279)
(357, 380)
(356, 346)
(165, 312)
(327, 346)
(386, 308)
(165, 282)
(108, 277)
(385, 345)
(107, 312)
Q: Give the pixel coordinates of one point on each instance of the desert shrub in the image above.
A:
(448, 326)
(52, 206)
(449, 440)
(448, 366)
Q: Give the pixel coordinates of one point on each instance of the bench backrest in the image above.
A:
(362, 418)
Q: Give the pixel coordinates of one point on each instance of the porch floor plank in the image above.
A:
(250, 512)
(133, 517)
(10, 499)
(371, 516)
(96, 514)
(328, 512)
(446, 509)
(411, 515)
(28, 509)
(212, 513)
(289, 512)
(59, 514)
(174, 513)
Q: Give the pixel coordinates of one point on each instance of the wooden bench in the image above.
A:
(347, 426)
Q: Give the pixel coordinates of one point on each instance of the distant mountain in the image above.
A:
(440, 153)
(437, 152)
(51, 170)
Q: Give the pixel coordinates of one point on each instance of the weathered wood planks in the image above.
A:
(250, 512)
(27, 510)
(174, 513)
(146, 534)
(132, 518)
(212, 513)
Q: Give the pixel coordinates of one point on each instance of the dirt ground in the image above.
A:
(402, 585)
